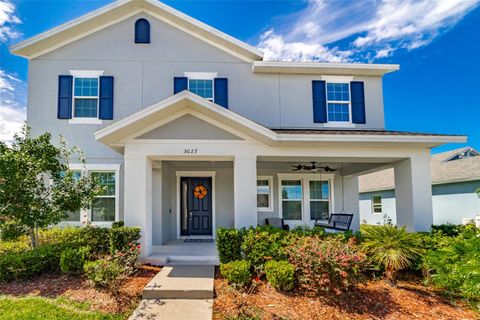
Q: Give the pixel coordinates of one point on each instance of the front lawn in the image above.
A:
(33, 308)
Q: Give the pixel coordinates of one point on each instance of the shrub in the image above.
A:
(128, 259)
(455, 266)
(306, 231)
(16, 266)
(280, 274)
(236, 272)
(13, 246)
(103, 273)
(326, 264)
(72, 260)
(448, 229)
(264, 243)
(391, 248)
(229, 242)
(98, 239)
(122, 238)
(117, 224)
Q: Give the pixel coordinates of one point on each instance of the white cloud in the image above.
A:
(7, 21)
(358, 30)
(12, 105)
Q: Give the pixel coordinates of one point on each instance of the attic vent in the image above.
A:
(467, 153)
(142, 31)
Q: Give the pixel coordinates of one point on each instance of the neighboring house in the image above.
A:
(455, 178)
(190, 130)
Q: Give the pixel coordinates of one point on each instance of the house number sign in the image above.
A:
(190, 151)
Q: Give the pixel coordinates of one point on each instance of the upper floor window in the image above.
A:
(201, 83)
(85, 99)
(338, 102)
(377, 204)
(142, 31)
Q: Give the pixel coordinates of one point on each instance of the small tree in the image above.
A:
(37, 187)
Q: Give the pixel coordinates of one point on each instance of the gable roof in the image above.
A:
(121, 10)
(443, 171)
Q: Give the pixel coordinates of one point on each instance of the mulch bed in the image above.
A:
(374, 300)
(80, 289)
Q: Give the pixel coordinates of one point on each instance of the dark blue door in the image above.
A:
(196, 206)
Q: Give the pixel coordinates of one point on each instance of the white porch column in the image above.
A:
(138, 198)
(245, 191)
(413, 192)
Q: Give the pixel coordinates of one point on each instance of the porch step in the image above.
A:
(181, 282)
(164, 260)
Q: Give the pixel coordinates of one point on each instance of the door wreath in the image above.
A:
(200, 192)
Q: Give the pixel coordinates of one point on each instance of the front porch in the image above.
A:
(192, 167)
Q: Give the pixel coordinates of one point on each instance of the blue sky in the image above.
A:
(436, 43)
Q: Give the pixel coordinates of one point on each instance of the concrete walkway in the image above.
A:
(178, 292)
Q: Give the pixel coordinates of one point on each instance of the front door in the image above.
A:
(196, 206)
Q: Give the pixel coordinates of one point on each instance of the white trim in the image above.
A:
(201, 75)
(270, 194)
(86, 73)
(86, 169)
(338, 124)
(328, 68)
(85, 121)
(186, 174)
(338, 79)
(305, 178)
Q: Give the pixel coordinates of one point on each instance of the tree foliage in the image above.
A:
(37, 187)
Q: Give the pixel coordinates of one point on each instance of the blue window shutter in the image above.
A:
(220, 86)
(180, 84)
(142, 31)
(106, 98)
(357, 93)
(319, 101)
(65, 87)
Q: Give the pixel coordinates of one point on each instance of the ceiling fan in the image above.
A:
(312, 167)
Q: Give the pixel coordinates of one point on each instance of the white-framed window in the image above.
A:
(86, 89)
(201, 83)
(377, 204)
(305, 198)
(338, 102)
(264, 193)
(292, 199)
(105, 208)
(319, 199)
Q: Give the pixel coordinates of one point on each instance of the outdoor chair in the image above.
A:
(277, 223)
(337, 221)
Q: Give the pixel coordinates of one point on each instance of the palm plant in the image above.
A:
(392, 248)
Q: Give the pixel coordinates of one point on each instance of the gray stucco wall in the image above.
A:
(144, 75)
(451, 203)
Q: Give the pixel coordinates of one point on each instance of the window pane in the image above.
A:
(338, 112)
(292, 189)
(319, 190)
(73, 216)
(262, 201)
(204, 88)
(338, 92)
(319, 210)
(107, 181)
(377, 199)
(86, 87)
(103, 209)
(292, 210)
(377, 204)
(85, 108)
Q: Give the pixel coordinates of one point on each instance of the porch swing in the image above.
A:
(338, 221)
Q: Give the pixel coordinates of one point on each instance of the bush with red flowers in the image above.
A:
(326, 264)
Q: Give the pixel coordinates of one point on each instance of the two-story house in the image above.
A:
(190, 130)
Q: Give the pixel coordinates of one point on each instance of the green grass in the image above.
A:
(33, 308)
